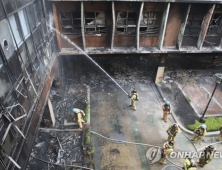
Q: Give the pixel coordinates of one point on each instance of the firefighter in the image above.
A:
(172, 131)
(134, 97)
(199, 133)
(207, 155)
(166, 110)
(80, 114)
(220, 134)
(189, 164)
(167, 149)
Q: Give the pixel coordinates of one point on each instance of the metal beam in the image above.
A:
(204, 27)
(163, 25)
(138, 27)
(56, 20)
(182, 27)
(82, 27)
(177, 1)
(114, 24)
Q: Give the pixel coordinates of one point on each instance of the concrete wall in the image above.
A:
(137, 41)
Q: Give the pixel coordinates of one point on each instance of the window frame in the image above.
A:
(95, 29)
(126, 27)
(149, 29)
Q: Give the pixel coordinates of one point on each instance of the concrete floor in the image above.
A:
(112, 117)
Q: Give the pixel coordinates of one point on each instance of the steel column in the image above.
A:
(82, 26)
(182, 27)
(138, 27)
(204, 26)
(163, 25)
(56, 20)
(114, 24)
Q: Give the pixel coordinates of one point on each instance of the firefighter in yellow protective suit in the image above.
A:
(167, 149)
(189, 164)
(207, 155)
(172, 131)
(166, 110)
(199, 133)
(80, 114)
(134, 97)
(220, 134)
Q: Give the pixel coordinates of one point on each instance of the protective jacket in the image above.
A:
(188, 165)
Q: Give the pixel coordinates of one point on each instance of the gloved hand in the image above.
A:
(136, 99)
(129, 96)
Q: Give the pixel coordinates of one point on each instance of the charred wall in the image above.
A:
(214, 34)
(173, 24)
(100, 38)
(194, 22)
(151, 40)
(139, 26)
(28, 51)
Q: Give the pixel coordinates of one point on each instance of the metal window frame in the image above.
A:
(126, 26)
(8, 111)
(151, 29)
(218, 25)
(95, 26)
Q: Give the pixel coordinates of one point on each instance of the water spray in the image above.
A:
(72, 43)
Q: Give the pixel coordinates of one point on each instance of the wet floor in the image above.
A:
(111, 115)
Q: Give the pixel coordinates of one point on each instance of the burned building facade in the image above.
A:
(121, 27)
(27, 64)
(30, 45)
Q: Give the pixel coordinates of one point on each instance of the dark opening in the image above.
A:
(5, 43)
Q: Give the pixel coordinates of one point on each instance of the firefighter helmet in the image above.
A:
(204, 126)
(211, 147)
(171, 143)
(175, 126)
(74, 110)
(167, 103)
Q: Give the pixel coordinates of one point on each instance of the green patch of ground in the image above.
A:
(213, 124)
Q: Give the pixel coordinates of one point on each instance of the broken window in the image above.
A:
(193, 25)
(38, 9)
(31, 16)
(30, 46)
(10, 5)
(36, 75)
(24, 23)
(149, 24)
(214, 28)
(71, 22)
(15, 67)
(6, 84)
(95, 23)
(2, 14)
(21, 3)
(24, 56)
(126, 23)
(14, 22)
(37, 38)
